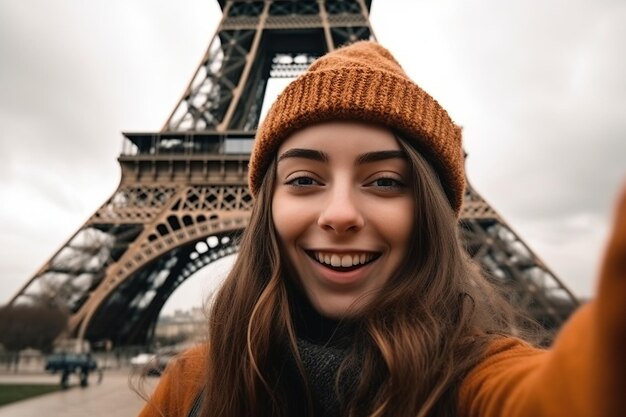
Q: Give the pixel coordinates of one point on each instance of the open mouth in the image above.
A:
(343, 262)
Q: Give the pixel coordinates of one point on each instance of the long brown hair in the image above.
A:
(423, 331)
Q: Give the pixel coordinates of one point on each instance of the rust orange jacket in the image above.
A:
(582, 375)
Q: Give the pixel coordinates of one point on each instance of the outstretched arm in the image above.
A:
(610, 320)
(582, 375)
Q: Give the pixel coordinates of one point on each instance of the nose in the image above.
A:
(341, 212)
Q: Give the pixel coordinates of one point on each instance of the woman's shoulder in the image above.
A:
(193, 354)
(190, 364)
(505, 346)
(502, 352)
(504, 363)
(181, 382)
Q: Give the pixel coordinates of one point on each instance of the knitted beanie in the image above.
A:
(363, 82)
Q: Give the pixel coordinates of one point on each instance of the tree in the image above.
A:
(33, 326)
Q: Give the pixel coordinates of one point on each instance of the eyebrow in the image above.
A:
(379, 156)
(304, 153)
(365, 158)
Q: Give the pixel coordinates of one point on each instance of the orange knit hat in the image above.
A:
(363, 82)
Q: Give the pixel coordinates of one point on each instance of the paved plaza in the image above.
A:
(111, 397)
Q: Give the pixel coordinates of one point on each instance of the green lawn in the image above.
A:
(15, 392)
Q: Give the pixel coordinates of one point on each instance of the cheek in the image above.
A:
(395, 220)
(288, 217)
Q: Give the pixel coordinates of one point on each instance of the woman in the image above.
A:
(352, 295)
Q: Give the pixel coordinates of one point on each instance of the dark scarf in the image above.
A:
(323, 344)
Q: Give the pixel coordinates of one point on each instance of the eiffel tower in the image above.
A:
(183, 198)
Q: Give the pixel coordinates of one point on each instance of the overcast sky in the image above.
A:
(538, 86)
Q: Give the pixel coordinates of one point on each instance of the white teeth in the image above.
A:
(344, 261)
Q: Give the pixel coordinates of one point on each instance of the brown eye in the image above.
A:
(302, 182)
(387, 183)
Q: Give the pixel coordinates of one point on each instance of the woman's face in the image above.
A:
(343, 210)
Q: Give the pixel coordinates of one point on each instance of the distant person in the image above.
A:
(352, 294)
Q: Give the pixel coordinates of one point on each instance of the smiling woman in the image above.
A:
(352, 294)
(343, 212)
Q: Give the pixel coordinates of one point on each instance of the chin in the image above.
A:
(338, 309)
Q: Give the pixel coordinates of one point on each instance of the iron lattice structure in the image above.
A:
(183, 199)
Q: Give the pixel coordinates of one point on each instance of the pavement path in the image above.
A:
(112, 397)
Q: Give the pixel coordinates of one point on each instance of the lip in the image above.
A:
(341, 278)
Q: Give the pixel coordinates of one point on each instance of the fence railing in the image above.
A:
(189, 143)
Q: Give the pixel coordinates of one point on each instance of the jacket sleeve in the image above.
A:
(179, 385)
(582, 375)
